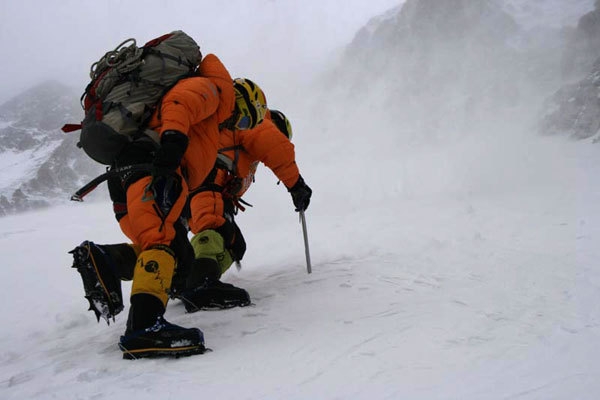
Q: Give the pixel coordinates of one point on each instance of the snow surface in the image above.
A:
(486, 288)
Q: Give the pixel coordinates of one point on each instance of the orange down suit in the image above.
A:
(265, 144)
(194, 106)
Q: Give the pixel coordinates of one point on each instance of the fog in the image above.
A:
(272, 41)
(426, 99)
(441, 99)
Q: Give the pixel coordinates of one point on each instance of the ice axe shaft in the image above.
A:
(306, 249)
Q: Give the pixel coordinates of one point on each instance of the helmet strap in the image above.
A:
(229, 123)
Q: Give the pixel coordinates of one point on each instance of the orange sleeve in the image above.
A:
(268, 145)
(189, 102)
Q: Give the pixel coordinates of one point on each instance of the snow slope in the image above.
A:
(486, 288)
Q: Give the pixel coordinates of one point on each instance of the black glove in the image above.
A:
(233, 239)
(168, 156)
(166, 189)
(166, 185)
(300, 194)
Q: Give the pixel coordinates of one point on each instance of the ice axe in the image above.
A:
(306, 250)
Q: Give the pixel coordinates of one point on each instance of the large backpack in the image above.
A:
(126, 87)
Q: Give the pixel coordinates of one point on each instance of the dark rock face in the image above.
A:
(436, 67)
(574, 110)
(441, 68)
(583, 47)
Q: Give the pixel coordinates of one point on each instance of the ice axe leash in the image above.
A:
(306, 249)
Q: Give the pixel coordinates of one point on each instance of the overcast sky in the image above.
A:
(60, 39)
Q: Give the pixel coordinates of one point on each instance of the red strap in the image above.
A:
(237, 203)
(71, 128)
(99, 112)
(120, 208)
(158, 40)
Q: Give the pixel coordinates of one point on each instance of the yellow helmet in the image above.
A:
(282, 123)
(250, 104)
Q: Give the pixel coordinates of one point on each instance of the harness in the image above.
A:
(229, 190)
(233, 183)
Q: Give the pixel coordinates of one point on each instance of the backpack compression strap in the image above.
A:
(71, 128)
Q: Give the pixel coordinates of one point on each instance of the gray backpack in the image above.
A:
(126, 88)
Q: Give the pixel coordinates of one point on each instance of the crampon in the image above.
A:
(100, 282)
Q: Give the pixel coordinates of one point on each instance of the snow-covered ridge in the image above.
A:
(18, 167)
(376, 21)
(39, 164)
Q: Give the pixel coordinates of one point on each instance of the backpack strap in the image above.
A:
(225, 162)
(93, 184)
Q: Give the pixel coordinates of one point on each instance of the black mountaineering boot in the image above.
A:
(162, 339)
(214, 295)
(206, 292)
(101, 281)
(159, 338)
